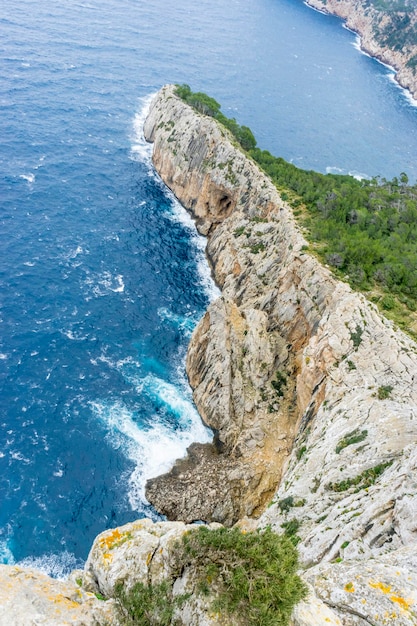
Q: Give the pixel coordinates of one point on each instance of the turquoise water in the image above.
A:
(103, 276)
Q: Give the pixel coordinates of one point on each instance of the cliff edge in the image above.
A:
(307, 387)
(312, 397)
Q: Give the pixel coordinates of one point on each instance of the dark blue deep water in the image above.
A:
(102, 274)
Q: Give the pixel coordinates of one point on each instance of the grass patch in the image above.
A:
(362, 481)
(146, 605)
(257, 247)
(354, 437)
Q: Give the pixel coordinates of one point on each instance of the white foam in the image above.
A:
(3, 356)
(182, 322)
(181, 215)
(322, 11)
(405, 92)
(6, 555)
(353, 173)
(105, 283)
(30, 178)
(155, 447)
(55, 565)
(141, 150)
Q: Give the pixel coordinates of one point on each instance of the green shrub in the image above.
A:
(202, 103)
(300, 452)
(252, 577)
(254, 573)
(279, 383)
(285, 504)
(257, 247)
(362, 481)
(146, 605)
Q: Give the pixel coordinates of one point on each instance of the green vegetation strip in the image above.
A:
(362, 481)
(354, 437)
(249, 577)
(366, 230)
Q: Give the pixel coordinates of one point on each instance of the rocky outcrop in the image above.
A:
(372, 23)
(29, 598)
(146, 552)
(288, 359)
(286, 351)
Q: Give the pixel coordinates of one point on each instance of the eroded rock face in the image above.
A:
(288, 351)
(291, 359)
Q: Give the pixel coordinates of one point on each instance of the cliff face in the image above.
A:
(313, 399)
(305, 384)
(372, 24)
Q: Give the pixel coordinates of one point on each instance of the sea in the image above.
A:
(102, 274)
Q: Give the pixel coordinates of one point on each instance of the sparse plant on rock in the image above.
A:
(355, 436)
(384, 392)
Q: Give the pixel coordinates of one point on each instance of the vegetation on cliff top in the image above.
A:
(250, 577)
(395, 27)
(366, 230)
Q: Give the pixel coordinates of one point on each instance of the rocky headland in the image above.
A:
(387, 32)
(312, 397)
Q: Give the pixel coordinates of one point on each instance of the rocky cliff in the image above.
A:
(312, 397)
(305, 384)
(378, 25)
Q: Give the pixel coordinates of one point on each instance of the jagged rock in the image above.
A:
(288, 358)
(282, 314)
(380, 591)
(29, 598)
(144, 552)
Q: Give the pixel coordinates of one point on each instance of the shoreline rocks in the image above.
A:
(363, 19)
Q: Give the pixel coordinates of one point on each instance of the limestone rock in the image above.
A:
(305, 384)
(29, 598)
(288, 351)
(314, 612)
(130, 554)
(379, 592)
(144, 551)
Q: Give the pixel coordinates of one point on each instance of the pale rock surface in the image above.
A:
(314, 612)
(381, 591)
(30, 598)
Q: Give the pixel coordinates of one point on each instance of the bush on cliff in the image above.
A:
(202, 103)
(250, 578)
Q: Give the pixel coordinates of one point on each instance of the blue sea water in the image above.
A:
(103, 276)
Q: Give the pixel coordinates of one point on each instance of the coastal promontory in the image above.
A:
(312, 398)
